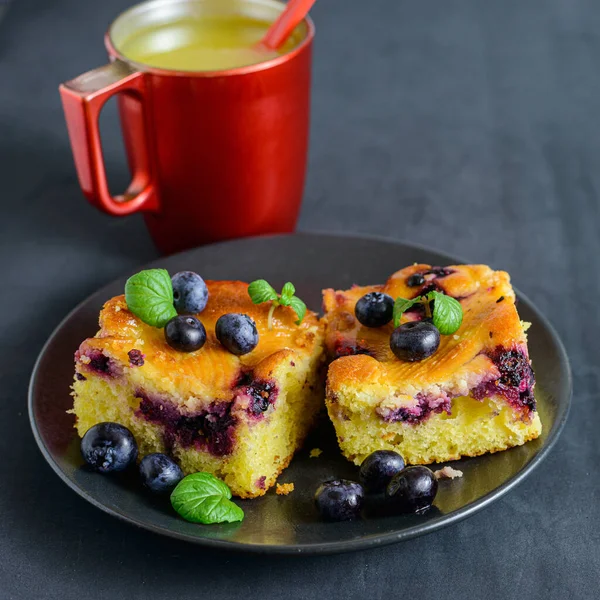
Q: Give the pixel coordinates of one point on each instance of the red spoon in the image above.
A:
(287, 21)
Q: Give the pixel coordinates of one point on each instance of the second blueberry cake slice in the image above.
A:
(473, 395)
(238, 417)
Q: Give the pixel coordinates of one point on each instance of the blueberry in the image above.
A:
(339, 500)
(415, 340)
(160, 473)
(412, 490)
(378, 468)
(415, 280)
(374, 309)
(185, 333)
(108, 447)
(190, 293)
(237, 333)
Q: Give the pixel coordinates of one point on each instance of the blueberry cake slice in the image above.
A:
(473, 395)
(240, 418)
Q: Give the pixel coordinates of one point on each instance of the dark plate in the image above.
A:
(289, 524)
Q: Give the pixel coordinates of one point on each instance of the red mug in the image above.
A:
(214, 155)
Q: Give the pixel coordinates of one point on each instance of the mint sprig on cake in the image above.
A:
(262, 291)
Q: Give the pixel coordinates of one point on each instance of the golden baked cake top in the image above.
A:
(125, 343)
(489, 346)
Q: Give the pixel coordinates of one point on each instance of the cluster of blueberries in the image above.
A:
(411, 341)
(236, 332)
(111, 448)
(407, 489)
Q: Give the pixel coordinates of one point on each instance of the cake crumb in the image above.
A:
(117, 308)
(85, 359)
(283, 489)
(316, 452)
(447, 473)
(456, 337)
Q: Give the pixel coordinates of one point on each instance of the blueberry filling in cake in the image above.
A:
(96, 362)
(424, 406)
(136, 358)
(262, 396)
(258, 395)
(439, 271)
(260, 483)
(516, 381)
(347, 348)
(212, 429)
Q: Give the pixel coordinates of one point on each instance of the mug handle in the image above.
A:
(83, 99)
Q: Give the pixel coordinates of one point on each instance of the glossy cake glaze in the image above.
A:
(485, 362)
(240, 417)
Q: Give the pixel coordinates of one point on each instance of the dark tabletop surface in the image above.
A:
(470, 126)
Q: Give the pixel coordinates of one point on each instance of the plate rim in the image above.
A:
(321, 548)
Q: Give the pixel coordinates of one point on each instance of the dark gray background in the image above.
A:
(467, 125)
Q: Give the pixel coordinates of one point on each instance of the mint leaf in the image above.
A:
(401, 305)
(261, 291)
(299, 308)
(287, 292)
(149, 296)
(447, 312)
(202, 498)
